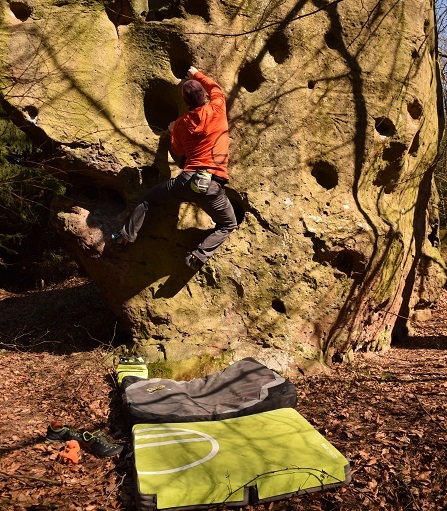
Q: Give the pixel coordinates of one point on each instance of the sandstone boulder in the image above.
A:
(335, 116)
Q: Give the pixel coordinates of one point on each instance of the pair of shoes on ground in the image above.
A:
(97, 443)
(119, 239)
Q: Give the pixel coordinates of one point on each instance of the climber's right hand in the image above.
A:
(191, 72)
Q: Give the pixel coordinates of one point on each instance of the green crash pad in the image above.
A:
(254, 458)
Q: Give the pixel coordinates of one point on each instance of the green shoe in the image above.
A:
(99, 444)
(58, 432)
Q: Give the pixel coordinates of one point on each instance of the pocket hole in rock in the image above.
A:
(415, 109)
(278, 306)
(161, 105)
(385, 127)
(325, 174)
(21, 10)
(278, 46)
(250, 77)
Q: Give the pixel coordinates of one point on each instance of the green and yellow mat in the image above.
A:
(254, 458)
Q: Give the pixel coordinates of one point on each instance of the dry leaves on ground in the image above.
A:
(386, 412)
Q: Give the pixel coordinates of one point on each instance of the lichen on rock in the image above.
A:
(335, 121)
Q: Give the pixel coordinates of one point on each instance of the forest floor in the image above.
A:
(386, 412)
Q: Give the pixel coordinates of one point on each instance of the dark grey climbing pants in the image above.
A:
(177, 190)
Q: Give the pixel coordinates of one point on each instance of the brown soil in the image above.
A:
(386, 412)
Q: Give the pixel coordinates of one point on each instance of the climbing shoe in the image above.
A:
(193, 262)
(119, 239)
(58, 432)
(99, 444)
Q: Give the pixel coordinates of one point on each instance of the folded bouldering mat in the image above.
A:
(244, 460)
(243, 388)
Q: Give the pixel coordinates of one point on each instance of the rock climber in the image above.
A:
(201, 134)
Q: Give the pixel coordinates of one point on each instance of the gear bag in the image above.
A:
(201, 181)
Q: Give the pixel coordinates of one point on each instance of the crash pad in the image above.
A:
(250, 459)
(243, 388)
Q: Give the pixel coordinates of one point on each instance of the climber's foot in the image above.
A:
(193, 262)
(119, 239)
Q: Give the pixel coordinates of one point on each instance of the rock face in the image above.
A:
(335, 117)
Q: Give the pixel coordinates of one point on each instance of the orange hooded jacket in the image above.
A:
(202, 134)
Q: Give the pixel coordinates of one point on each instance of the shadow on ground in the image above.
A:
(60, 320)
(431, 342)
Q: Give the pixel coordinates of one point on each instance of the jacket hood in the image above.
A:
(196, 120)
